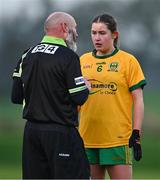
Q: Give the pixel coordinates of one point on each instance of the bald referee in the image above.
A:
(48, 82)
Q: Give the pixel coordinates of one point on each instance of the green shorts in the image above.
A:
(109, 156)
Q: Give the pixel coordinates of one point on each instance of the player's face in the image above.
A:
(102, 38)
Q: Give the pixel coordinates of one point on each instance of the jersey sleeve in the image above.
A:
(135, 75)
(17, 85)
(74, 78)
(18, 69)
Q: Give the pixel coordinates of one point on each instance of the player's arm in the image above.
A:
(136, 81)
(138, 112)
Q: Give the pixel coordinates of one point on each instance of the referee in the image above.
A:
(48, 82)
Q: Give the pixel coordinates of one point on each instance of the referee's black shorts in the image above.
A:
(52, 151)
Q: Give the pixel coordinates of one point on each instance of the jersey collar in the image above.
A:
(104, 56)
(53, 40)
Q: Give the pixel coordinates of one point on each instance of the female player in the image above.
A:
(106, 124)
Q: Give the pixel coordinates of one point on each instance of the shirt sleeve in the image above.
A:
(18, 69)
(17, 85)
(17, 91)
(135, 75)
(74, 78)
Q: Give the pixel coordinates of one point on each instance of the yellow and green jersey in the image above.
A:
(106, 117)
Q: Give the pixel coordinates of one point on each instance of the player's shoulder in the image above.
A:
(86, 55)
(127, 55)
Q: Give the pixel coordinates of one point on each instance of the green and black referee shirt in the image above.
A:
(50, 76)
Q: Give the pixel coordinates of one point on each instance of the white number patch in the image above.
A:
(79, 80)
(45, 48)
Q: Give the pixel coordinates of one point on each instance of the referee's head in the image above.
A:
(62, 25)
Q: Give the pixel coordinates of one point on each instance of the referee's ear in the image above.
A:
(64, 27)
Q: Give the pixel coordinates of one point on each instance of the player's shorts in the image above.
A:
(109, 156)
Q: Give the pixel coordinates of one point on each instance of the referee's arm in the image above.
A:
(17, 86)
(80, 99)
(17, 91)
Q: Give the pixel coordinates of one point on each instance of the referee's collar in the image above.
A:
(54, 40)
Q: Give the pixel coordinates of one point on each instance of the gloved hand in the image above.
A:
(134, 142)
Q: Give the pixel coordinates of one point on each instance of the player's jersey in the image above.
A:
(50, 74)
(106, 117)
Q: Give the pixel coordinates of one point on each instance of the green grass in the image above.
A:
(151, 101)
(146, 174)
(149, 166)
(11, 132)
(10, 150)
(9, 111)
(10, 172)
(152, 112)
(10, 147)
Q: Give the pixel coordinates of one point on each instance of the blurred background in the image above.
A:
(21, 26)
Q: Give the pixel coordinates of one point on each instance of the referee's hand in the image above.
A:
(134, 142)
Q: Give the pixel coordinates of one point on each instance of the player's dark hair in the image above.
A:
(109, 21)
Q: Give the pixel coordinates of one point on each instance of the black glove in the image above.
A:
(134, 142)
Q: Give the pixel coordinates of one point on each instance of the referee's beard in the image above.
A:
(70, 41)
